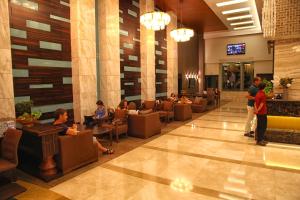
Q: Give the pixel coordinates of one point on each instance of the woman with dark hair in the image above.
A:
(260, 109)
(123, 104)
(100, 112)
(61, 117)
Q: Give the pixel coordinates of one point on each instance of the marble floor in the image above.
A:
(207, 158)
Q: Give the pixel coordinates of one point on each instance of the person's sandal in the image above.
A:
(108, 151)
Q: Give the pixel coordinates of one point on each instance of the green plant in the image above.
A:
(286, 82)
(23, 107)
(269, 86)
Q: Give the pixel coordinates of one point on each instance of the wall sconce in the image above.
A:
(191, 75)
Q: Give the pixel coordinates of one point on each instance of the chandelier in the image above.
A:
(155, 20)
(181, 34)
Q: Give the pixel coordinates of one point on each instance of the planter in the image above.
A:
(285, 94)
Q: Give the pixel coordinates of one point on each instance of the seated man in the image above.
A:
(61, 117)
(185, 100)
(173, 97)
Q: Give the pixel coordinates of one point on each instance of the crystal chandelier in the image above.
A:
(182, 34)
(155, 20)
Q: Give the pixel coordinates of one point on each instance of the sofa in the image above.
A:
(284, 129)
(199, 105)
(149, 104)
(182, 112)
(76, 151)
(144, 125)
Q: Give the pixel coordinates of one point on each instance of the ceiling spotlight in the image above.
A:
(239, 17)
(235, 11)
(243, 27)
(242, 23)
(227, 3)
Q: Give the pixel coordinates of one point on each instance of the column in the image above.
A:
(172, 57)
(83, 42)
(109, 50)
(147, 38)
(7, 106)
(281, 24)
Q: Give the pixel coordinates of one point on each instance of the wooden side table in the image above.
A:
(40, 142)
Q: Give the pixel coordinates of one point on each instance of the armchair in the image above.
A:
(9, 152)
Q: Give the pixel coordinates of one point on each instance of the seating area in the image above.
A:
(149, 99)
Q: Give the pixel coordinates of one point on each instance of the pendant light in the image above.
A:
(181, 34)
(155, 20)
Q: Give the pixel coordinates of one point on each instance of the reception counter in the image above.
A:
(280, 107)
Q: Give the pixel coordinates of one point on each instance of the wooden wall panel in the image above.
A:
(60, 93)
(161, 63)
(130, 34)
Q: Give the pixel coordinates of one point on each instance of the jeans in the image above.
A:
(261, 127)
(251, 120)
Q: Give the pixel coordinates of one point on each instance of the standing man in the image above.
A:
(251, 117)
(260, 109)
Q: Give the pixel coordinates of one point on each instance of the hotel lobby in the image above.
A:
(149, 99)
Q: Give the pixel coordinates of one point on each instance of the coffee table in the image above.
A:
(100, 131)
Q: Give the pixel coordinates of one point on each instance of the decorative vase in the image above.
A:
(285, 94)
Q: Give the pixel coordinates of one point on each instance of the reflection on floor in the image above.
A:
(208, 158)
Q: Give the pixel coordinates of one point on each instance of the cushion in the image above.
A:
(283, 122)
(133, 112)
(144, 112)
(6, 165)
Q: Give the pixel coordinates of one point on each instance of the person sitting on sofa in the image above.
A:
(185, 100)
(100, 112)
(173, 97)
(61, 117)
(123, 105)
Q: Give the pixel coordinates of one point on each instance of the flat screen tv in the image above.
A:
(236, 49)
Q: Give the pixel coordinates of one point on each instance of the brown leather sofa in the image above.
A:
(144, 125)
(167, 110)
(149, 104)
(182, 112)
(199, 105)
(76, 151)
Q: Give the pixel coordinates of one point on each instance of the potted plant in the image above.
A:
(269, 88)
(24, 114)
(285, 83)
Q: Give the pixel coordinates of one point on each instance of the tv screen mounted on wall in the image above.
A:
(236, 49)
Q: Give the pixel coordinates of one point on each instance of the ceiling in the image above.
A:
(206, 16)
(195, 14)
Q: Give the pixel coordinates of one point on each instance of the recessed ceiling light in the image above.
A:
(227, 3)
(239, 17)
(242, 23)
(243, 27)
(235, 11)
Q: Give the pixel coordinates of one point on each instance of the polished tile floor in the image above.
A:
(207, 158)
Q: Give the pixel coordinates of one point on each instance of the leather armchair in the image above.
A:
(9, 152)
(198, 107)
(119, 124)
(144, 126)
(76, 151)
(167, 110)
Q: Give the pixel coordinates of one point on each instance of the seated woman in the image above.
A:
(185, 100)
(173, 97)
(61, 117)
(123, 105)
(100, 112)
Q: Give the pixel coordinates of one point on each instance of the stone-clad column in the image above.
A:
(109, 50)
(147, 55)
(172, 57)
(83, 43)
(7, 108)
